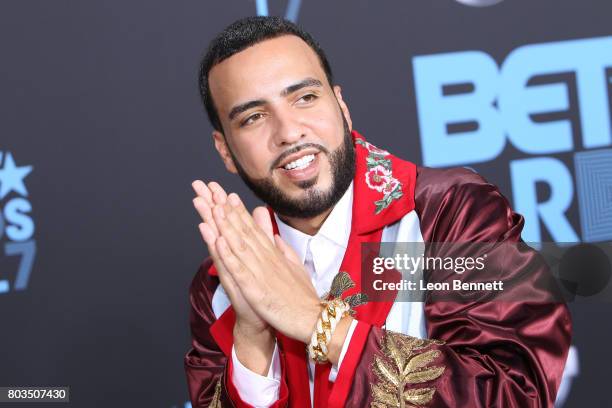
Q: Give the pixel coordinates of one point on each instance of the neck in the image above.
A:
(308, 226)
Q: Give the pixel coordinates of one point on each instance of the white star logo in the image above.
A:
(11, 177)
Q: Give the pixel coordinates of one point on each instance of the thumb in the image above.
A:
(286, 249)
(293, 258)
(261, 216)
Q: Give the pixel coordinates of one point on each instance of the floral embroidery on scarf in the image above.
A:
(379, 176)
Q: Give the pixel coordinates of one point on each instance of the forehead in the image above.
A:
(263, 70)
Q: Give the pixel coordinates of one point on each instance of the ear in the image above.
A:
(223, 150)
(343, 107)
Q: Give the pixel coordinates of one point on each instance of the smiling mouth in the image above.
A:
(300, 163)
(304, 168)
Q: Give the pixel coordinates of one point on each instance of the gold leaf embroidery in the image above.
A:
(396, 354)
(384, 397)
(341, 283)
(420, 396)
(379, 405)
(421, 360)
(386, 371)
(404, 363)
(424, 375)
(357, 299)
(216, 399)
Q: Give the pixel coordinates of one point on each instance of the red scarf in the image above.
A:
(383, 193)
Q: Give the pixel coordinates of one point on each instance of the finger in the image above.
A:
(240, 241)
(205, 212)
(207, 234)
(232, 263)
(261, 216)
(246, 240)
(229, 284)
(211, 243)
(211, 240)
(235, 279)
(244, 225)
(249, 226)
(236, 205)
(219, 195)
(286, 249)
(203, 191)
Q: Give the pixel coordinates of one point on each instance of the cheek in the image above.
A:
(327, 124)
(255, 160)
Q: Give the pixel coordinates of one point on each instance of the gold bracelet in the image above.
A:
(333, 311)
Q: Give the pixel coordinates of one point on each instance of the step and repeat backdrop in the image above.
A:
(102, 132)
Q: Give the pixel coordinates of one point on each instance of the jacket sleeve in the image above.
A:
(208, 368)
(480, 353)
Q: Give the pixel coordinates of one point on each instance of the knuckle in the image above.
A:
(245, 229)
(242, 245)
(240, 269)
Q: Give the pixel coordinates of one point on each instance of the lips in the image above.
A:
(298, 155)
(302, 162)
(300, 174)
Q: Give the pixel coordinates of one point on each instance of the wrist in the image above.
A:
(332, 324)
(245, 328)
(254, 347)
(338, 339)
(310, 322)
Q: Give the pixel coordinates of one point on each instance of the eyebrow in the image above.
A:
(238, 109)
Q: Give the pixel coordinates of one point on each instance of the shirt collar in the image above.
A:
(335, 228)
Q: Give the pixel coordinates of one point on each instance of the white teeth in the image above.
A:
(300, 163)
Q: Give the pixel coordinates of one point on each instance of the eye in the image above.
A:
(251, 119)
(308, 98)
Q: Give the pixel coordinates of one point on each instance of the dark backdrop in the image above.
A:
(99, 239)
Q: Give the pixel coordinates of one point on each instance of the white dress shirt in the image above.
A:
(322, 256)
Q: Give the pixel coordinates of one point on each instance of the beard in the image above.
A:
(315, 201)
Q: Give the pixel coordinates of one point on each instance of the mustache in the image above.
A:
(296, 149)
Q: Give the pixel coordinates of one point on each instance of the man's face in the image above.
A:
(287, 132)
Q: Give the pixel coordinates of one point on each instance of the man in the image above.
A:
(274, 321)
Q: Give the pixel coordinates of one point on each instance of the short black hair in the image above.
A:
(240, 35)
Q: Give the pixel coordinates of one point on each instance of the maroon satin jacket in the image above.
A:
(483, 354)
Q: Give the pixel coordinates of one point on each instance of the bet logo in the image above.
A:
(17, 246)
(291, 12)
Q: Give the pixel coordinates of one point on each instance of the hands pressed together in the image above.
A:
(267, 284)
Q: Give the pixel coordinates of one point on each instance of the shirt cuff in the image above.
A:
(333, 373)
(255, 389)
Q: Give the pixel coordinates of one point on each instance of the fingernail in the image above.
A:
(234, 200)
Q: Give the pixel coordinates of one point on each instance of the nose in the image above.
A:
(289, 129)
